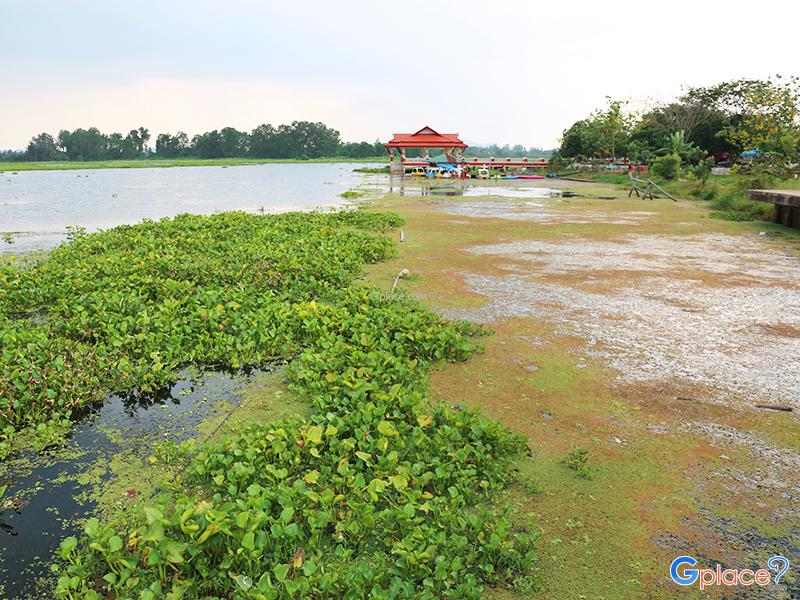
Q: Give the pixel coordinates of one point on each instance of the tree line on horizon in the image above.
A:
(760, 118)
(297, 140)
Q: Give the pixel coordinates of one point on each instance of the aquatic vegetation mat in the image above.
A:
(377, 494)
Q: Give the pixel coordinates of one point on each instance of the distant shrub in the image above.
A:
(734, 206)
(710, 192)
(702, 170)
(726, 201)
(755, 180)
(706, 192)
(667, 166)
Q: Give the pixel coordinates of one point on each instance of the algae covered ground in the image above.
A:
(633, 341)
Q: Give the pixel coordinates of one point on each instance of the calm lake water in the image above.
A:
(37, 206)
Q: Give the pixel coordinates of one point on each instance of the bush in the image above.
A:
(734, 206)
(706, 192)
(755, 180)
(668, 166)
(702, 170)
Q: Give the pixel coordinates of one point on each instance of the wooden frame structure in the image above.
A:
(643, 188)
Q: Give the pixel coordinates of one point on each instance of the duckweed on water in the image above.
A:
(376, 494)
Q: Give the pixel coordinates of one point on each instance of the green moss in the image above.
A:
(266, 399)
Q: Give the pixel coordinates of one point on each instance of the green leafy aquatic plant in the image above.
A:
(126, 308)
(377, 494)
(578, 461)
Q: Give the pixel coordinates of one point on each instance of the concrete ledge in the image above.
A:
(787, 205)
(779, 197)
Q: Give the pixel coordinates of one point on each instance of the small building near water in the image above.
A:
(425, 139)
(451, 152)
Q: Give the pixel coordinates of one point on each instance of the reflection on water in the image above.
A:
(419, 187)
(37, 206)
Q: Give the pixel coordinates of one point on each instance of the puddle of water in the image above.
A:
(54, 489)
(420, 187)
(512, 192)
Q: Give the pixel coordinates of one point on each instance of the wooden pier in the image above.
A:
(787, 205)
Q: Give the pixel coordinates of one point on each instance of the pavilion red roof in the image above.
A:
(425, 138)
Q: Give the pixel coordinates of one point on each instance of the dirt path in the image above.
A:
(645, 333)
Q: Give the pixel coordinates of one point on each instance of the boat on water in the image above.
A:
(530, 176)
(437, 172)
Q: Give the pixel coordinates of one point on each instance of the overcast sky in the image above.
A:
(494, 71)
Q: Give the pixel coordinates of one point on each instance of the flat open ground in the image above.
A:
(646, 333)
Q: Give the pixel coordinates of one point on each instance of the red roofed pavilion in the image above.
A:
(426, 138)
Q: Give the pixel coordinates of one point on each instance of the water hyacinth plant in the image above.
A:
(378, 494)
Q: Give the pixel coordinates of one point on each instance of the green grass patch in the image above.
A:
(373, 170)
(353, 194)
(735, 206)
(727, 194)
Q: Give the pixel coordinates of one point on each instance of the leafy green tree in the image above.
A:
(702, 170)
(136, 142)
(640, 151)
(603, 135)
(117, 147)
(12, 155)
(763, 115)
(169, 146)
(83, 144)
(310, 140)
(701, 125)
(262, 142)
(207, 145)
(667, 166)
(357, 150)
(42, 147)
(574, 142)
(233, 142)
(612, 129)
